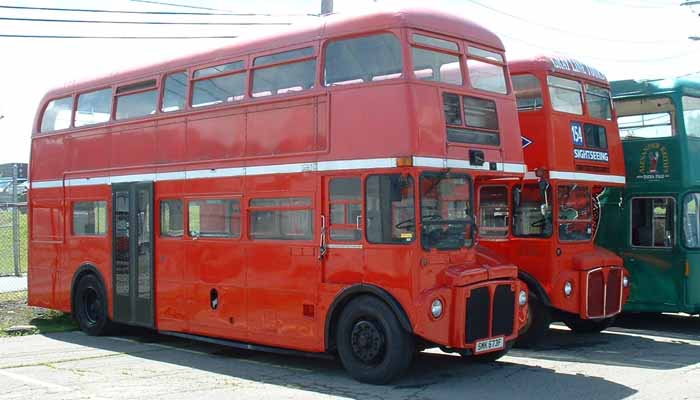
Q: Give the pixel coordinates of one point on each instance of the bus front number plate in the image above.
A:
(488, 345)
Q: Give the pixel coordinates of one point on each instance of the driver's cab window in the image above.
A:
(574, 212)
(390, 209)
(494, 213)
(532, 211)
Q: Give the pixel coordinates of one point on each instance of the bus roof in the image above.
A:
(566, 66)
(332, 26)
(653, 87)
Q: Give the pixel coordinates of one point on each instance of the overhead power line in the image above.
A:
(554, 28)
(153, 12)
(180, 5)
(111, 37)
(138, 22)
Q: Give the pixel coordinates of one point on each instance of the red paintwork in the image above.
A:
(271, 292)
(552, 150)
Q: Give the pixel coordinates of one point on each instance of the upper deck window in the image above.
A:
(645, 118)
(565, 95)
(94, 107)
(431, 65)
(599, 103)
(284, 78)
(137, 100)
(691, 115)
(227, 84)
(528, 92)
(363, 59)
(57, 115)
(480, 114)
(435, 42)
(487, 72)
(175, 92)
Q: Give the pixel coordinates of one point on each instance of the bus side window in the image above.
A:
(346, 209)
(171, 218)
(364, 59)
(57, 115)
(493, 211)
(691, 220)
(90, 218)
(283, 218)
(174, 92)
(528, 92)
(284, 78)
(390, 209)
(93, 107)
(653, 222)
(215, 218)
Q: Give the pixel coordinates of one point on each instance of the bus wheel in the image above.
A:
(579, 325)
(91, 306)
(539, 319)
(372, 345)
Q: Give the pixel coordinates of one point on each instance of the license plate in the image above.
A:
(489, 344)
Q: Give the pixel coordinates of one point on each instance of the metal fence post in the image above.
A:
(15, 220)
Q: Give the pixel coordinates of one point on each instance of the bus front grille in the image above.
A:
(503, 311)
(604, 293)
(613, 292)
(478, 307)
(596, 294)
(490, 319)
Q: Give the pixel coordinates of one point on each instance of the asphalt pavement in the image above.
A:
(643, 358)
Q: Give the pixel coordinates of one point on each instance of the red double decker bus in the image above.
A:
(308, 191)
(546, 222)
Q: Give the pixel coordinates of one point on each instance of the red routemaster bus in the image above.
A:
(307, 191)
(546, 222)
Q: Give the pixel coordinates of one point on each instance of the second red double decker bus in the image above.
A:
(546, 222)
(309, 191)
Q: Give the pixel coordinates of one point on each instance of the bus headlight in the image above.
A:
(625, 282)
(436, 308)
(568, 288)
(522, 298)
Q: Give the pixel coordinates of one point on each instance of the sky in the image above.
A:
(622, 38)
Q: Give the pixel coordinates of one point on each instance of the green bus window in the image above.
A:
(645, 118)
(528, 92)
(532, 215)
(390, 209)
(652, 222)
(494, 216)
(691, 115)
(363, 59)
(599, 103)
(565, 95)
(691, 220)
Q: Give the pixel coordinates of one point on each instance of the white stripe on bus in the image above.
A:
(580, 176)
(339, 165)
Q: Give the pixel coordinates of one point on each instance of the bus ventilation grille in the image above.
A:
(596, 293)
(478, 325)
(613, 293)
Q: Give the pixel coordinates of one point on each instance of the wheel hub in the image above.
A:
(367, 342)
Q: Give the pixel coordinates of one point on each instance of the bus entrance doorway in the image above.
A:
(132, 263)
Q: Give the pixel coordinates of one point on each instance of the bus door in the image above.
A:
(343, 261)
(654, 260)
(132, 253)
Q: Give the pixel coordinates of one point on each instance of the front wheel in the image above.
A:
(372, 345)
(538, 321)
(579, 325)
(90, 303)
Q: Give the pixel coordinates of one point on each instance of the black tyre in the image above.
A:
(90, 301)
(539, 319)
(579, 325)
(372, 345)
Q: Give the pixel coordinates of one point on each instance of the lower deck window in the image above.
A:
(89, 218)
(532, 215)
(574, 215)
(215, 218)
(691, 220)
(391, 215)
(653, 222)
(284, 218)
(494, 215)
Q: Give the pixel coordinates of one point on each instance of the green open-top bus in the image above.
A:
(654, 222)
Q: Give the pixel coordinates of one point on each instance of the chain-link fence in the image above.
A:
(13, 238)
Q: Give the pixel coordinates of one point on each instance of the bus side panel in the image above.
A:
(48, 154)
(45, 245)
(87, 151)
(282, 128)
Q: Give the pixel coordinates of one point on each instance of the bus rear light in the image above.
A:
(404, 162)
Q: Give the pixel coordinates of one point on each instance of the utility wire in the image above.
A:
(139, 22)
(180, 5)
(554, 28)
(2, 35)
(153, 12)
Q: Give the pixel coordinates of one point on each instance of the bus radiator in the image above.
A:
(479, 324)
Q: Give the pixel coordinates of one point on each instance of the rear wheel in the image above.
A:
(372, 345)
(538, 321)
(90, 301)
(579, 325)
